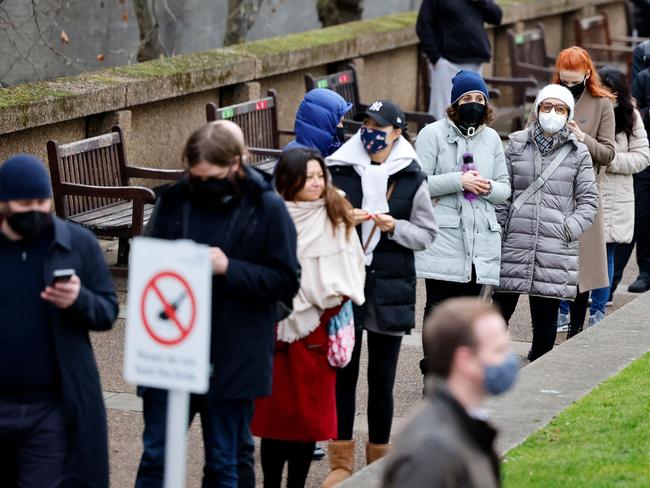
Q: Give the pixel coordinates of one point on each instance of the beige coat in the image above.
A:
(632, 156)
(595, 117)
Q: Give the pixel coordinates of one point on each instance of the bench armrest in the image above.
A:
(628, 39)
(262, 151)
(135, 193)
(420, 118)
(154, 174)
(286, 132)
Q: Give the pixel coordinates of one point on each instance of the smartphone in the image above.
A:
(62, 275)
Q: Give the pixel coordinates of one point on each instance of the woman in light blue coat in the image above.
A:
(467, 177)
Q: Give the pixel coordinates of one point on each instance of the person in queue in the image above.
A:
(379, 171)
(233, 208)
(554, 201)
(619, 205)
(302, 408)
(467, 176)
(593, 124)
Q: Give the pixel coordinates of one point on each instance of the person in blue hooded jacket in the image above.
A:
(319, 121)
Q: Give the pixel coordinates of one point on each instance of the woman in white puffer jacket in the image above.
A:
(632, 156)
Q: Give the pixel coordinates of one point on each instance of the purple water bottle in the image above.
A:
(468, 165)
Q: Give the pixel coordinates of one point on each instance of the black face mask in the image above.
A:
(30, 224)
(576, 90)
(471, 116)
(212, 193)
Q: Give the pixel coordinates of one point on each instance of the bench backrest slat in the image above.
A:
(96, 161)
(343, 82)
(257, 119)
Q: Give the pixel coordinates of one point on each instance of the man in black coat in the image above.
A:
(453, 37)
(234, 209)
(52, 418)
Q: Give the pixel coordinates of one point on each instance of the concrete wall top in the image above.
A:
(48, 102)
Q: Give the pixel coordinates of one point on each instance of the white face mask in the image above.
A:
(551, 122)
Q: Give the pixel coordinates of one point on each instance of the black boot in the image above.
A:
(640, 285)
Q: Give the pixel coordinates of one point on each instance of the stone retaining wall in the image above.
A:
(159, 103)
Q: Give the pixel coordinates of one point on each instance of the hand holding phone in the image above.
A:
(62, 275)
(64, 288)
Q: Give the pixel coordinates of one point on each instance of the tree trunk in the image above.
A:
(241, 17)
(333, 12)
(150, 46)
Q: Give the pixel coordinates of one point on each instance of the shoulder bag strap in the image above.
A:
(536, 185)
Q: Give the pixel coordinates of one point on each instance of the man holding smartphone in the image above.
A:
(55, 288)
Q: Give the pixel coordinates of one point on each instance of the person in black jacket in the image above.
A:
(453, 37)
(381, 175)
(234, 209)
(52, 417)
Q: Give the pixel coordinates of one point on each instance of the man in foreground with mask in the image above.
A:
(448, 443)
(52, 417)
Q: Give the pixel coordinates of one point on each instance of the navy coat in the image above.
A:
(316, 120)
(263, 269)
(95, 310)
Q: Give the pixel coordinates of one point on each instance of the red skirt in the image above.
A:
(302, 406)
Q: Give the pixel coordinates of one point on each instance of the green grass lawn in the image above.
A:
(603, 440)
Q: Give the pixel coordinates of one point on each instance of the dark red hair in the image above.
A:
(577, 59)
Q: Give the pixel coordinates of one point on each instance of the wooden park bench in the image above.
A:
(592, 34)
(91, 187)
(258, 120)
(528, 56)
(345, 83)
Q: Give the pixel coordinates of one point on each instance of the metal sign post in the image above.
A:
(168, 333)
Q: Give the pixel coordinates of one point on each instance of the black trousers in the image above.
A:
(32, 444)
(641, 232)
(543, 315)
(276, 453)
(438, 291)
(383, 354)
(578, 313)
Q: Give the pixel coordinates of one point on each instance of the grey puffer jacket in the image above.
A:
(539, 254)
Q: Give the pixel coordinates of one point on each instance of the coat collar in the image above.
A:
(479, 430)
(62, 235)
(454, 134)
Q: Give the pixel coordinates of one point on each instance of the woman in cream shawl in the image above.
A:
(302, 408)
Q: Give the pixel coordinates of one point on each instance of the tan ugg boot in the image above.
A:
(341, 456)
(375, 451)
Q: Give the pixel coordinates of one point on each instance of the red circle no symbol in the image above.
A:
(168, 308)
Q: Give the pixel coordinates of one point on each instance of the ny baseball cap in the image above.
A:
(385, 113)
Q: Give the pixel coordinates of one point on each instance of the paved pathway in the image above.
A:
(124, 408)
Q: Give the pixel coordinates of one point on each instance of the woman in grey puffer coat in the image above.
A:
(539, 254)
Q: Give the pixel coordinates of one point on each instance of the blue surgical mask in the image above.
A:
(374, 140)
(499, 378)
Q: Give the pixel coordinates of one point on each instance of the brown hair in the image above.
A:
(291, 176)
(577, 59)
(450, 326)
(214, 144)
(489, 117)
